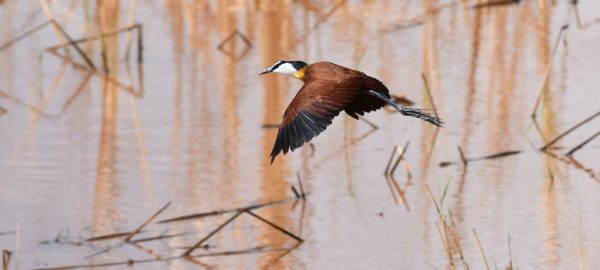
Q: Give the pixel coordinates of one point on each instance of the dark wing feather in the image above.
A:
(315, 105)
(364, 103)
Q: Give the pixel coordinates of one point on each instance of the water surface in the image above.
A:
(77, 162)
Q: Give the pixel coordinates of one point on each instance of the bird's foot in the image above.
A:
(417, 113)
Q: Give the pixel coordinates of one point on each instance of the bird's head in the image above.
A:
(291, 68)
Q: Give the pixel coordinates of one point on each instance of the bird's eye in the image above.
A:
(276, 65)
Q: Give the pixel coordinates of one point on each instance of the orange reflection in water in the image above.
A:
(105, 214)
(197, 132)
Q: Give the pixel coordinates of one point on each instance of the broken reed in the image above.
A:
(67, 42)
(131, 262)
(128, 238)
(581, 145)
(464, 160)
(24, 35)
(495, 3)
(213, 232)
(231, 219)
(389, 171)
(221, 212)
(580, 25)
(200, 243)
(565, 133)
(302, 194)
(544, 87)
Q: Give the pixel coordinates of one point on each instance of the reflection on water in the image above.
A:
(79, 154)
(275, 30)
(107, 189)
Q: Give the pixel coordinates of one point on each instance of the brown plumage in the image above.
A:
(329, 89)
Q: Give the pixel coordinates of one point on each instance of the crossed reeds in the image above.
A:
(128, 236)
(62, 52)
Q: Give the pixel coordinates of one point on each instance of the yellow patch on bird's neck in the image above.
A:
(300, 74)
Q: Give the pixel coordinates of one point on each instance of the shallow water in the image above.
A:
(98, 160)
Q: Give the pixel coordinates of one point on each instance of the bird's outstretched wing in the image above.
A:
(312, 110)
(364, 102)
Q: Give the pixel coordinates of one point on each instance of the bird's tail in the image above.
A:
(416, 113)
(409, 111)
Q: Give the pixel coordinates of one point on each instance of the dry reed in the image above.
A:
(544, 87)
(590, 118)
(487, 267)
(277, 227)
(488, 157)
(462, 157)
(580, 25)
(221, 212)
(131, 262)
(211, 234)
(581, 145)
(152, 217)
(24, 35)
(302, 194)
(429, 96)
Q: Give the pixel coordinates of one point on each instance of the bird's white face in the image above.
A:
(285, 69)
(281, 67)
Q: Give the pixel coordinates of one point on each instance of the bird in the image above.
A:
(329, 89)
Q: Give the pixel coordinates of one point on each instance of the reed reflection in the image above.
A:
(7, 27)
(174, 9)
(551, 256)
(275, 28)
(227, 24)
(429, 135)
(105, 213)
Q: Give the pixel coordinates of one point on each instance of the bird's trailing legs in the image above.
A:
(408, 111)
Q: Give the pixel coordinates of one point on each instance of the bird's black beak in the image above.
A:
(264, 72)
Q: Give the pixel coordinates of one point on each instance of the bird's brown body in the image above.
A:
(328, 89)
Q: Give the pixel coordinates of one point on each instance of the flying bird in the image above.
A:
(329, 89)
